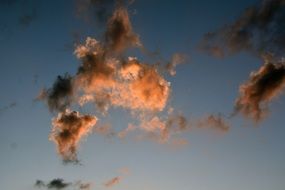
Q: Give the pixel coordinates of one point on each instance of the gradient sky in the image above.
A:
(33, 54)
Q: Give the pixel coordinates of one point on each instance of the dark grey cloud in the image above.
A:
(59, 96)
(59, 184)
(263, 86)
(259, 29)
(94, 9)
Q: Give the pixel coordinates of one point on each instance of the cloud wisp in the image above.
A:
(258, 30)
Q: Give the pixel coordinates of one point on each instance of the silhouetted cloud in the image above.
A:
(68, 129)
(27, 18)
(263, 86)
(90, 9)
(258, 30)
(59, 183)
(59, 97)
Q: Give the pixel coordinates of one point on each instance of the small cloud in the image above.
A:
(113, 181)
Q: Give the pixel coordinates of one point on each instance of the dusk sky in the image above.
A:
(142, 95)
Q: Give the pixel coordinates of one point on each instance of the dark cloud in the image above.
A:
(69, 128)
(263, 86)
(120, 34)
(98, 9)
(39, 183)
(59, 97)
(258, 30)
(59, 183)
(8, 107)
(27, 18)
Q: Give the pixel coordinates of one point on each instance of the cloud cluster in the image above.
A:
(59, 184)
(262, 87)
(109, 81)
(258, 30)
(68, 129)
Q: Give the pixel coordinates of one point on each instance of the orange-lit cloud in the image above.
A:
(108, 81)
(113, 181)
(262, 87)
(68, 129)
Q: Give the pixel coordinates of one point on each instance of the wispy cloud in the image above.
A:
(259, 29)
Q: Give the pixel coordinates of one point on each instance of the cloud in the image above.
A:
(108, 81)
(59, 183)
(120, 34)
(123, 133)
(161, 129)
(27, 18)
(107, 78)
(8, 107)
(215, 122)
(258, 30)
(89, 9)
(113, 181)
(176, 59)
(59, 97)
(69, 128)
(262, 87)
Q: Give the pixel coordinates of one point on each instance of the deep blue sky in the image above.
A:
(31, 56)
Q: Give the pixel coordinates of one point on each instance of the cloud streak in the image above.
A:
(259, 29)
(59, 184)
(113, 181)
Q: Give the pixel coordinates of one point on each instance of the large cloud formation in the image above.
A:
(107, 77)
(68, 128)
(262, 87)
(258, 30)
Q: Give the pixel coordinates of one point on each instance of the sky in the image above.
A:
(142, 95)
